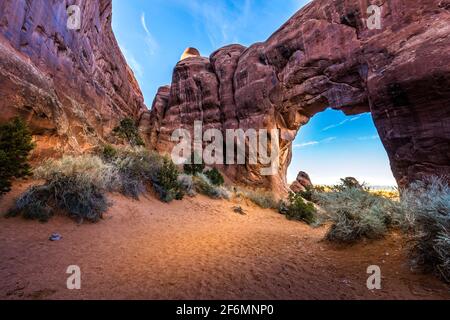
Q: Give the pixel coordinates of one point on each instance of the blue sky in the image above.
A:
(153, 34)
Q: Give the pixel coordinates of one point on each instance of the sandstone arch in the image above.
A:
(325, 56)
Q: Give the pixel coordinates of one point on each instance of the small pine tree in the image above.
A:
(167, 182)
(15, 146)
(128, 131)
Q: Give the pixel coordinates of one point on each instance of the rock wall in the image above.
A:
(72, 86)
(326, 56)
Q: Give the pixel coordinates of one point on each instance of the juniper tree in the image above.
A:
(15, 146)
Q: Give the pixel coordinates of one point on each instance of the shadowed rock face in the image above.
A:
(72, 86)
(326, 56)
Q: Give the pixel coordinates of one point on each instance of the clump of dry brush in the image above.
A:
(422, 212)
(428, 205)
(77, 185)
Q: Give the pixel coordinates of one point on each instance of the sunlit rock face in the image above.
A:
(302, 183)
(326, 56)
(189, 53)
(72, 86)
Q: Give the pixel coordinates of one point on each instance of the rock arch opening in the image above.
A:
(333, 146)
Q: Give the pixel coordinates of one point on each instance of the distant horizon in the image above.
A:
(152, 37)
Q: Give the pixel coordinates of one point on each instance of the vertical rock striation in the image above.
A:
(72, 86)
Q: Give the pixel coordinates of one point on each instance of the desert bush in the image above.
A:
(136, 168)
(186, 183)
(311, 193)
(128, 131)
(75, 185)
(261, 198)
(298, 209)
(15, 146)
(349, 183)
(34, 204)
(166, 183)
(393, 194)
(87, 168)
(191, 168)
(109, 153)
(215, 177)
(308, 193)
(428, 202)
(205, 187)
(357, 214)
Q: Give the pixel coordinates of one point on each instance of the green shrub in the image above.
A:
(75, 185)
(109, 153)
(166, 182)
(205, 187)
(263, 199)
(138, 167)
(308, 193)
(191, 168)
(298, 209)
(128, 131)
(311, 193)
(429, 201)
(15, 146)
(215, 177)
(357, 214)
(349, 183)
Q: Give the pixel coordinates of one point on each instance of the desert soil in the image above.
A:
(197, 249)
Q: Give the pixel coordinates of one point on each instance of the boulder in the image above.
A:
(301, 183)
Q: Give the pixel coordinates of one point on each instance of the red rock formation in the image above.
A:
(190, 52)
(326, 56)
(302, 182)
(72, 86)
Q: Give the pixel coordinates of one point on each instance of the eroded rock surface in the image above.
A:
(326, 56)
(72, 86)
(302, 182)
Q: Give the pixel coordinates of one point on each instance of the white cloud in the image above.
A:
(314, 143)
(152, 44)
(342, 123)
(336, 125)
(355, 118)
(306, 144)
(327, 140)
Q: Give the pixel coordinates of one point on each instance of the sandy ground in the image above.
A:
(196, 249)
